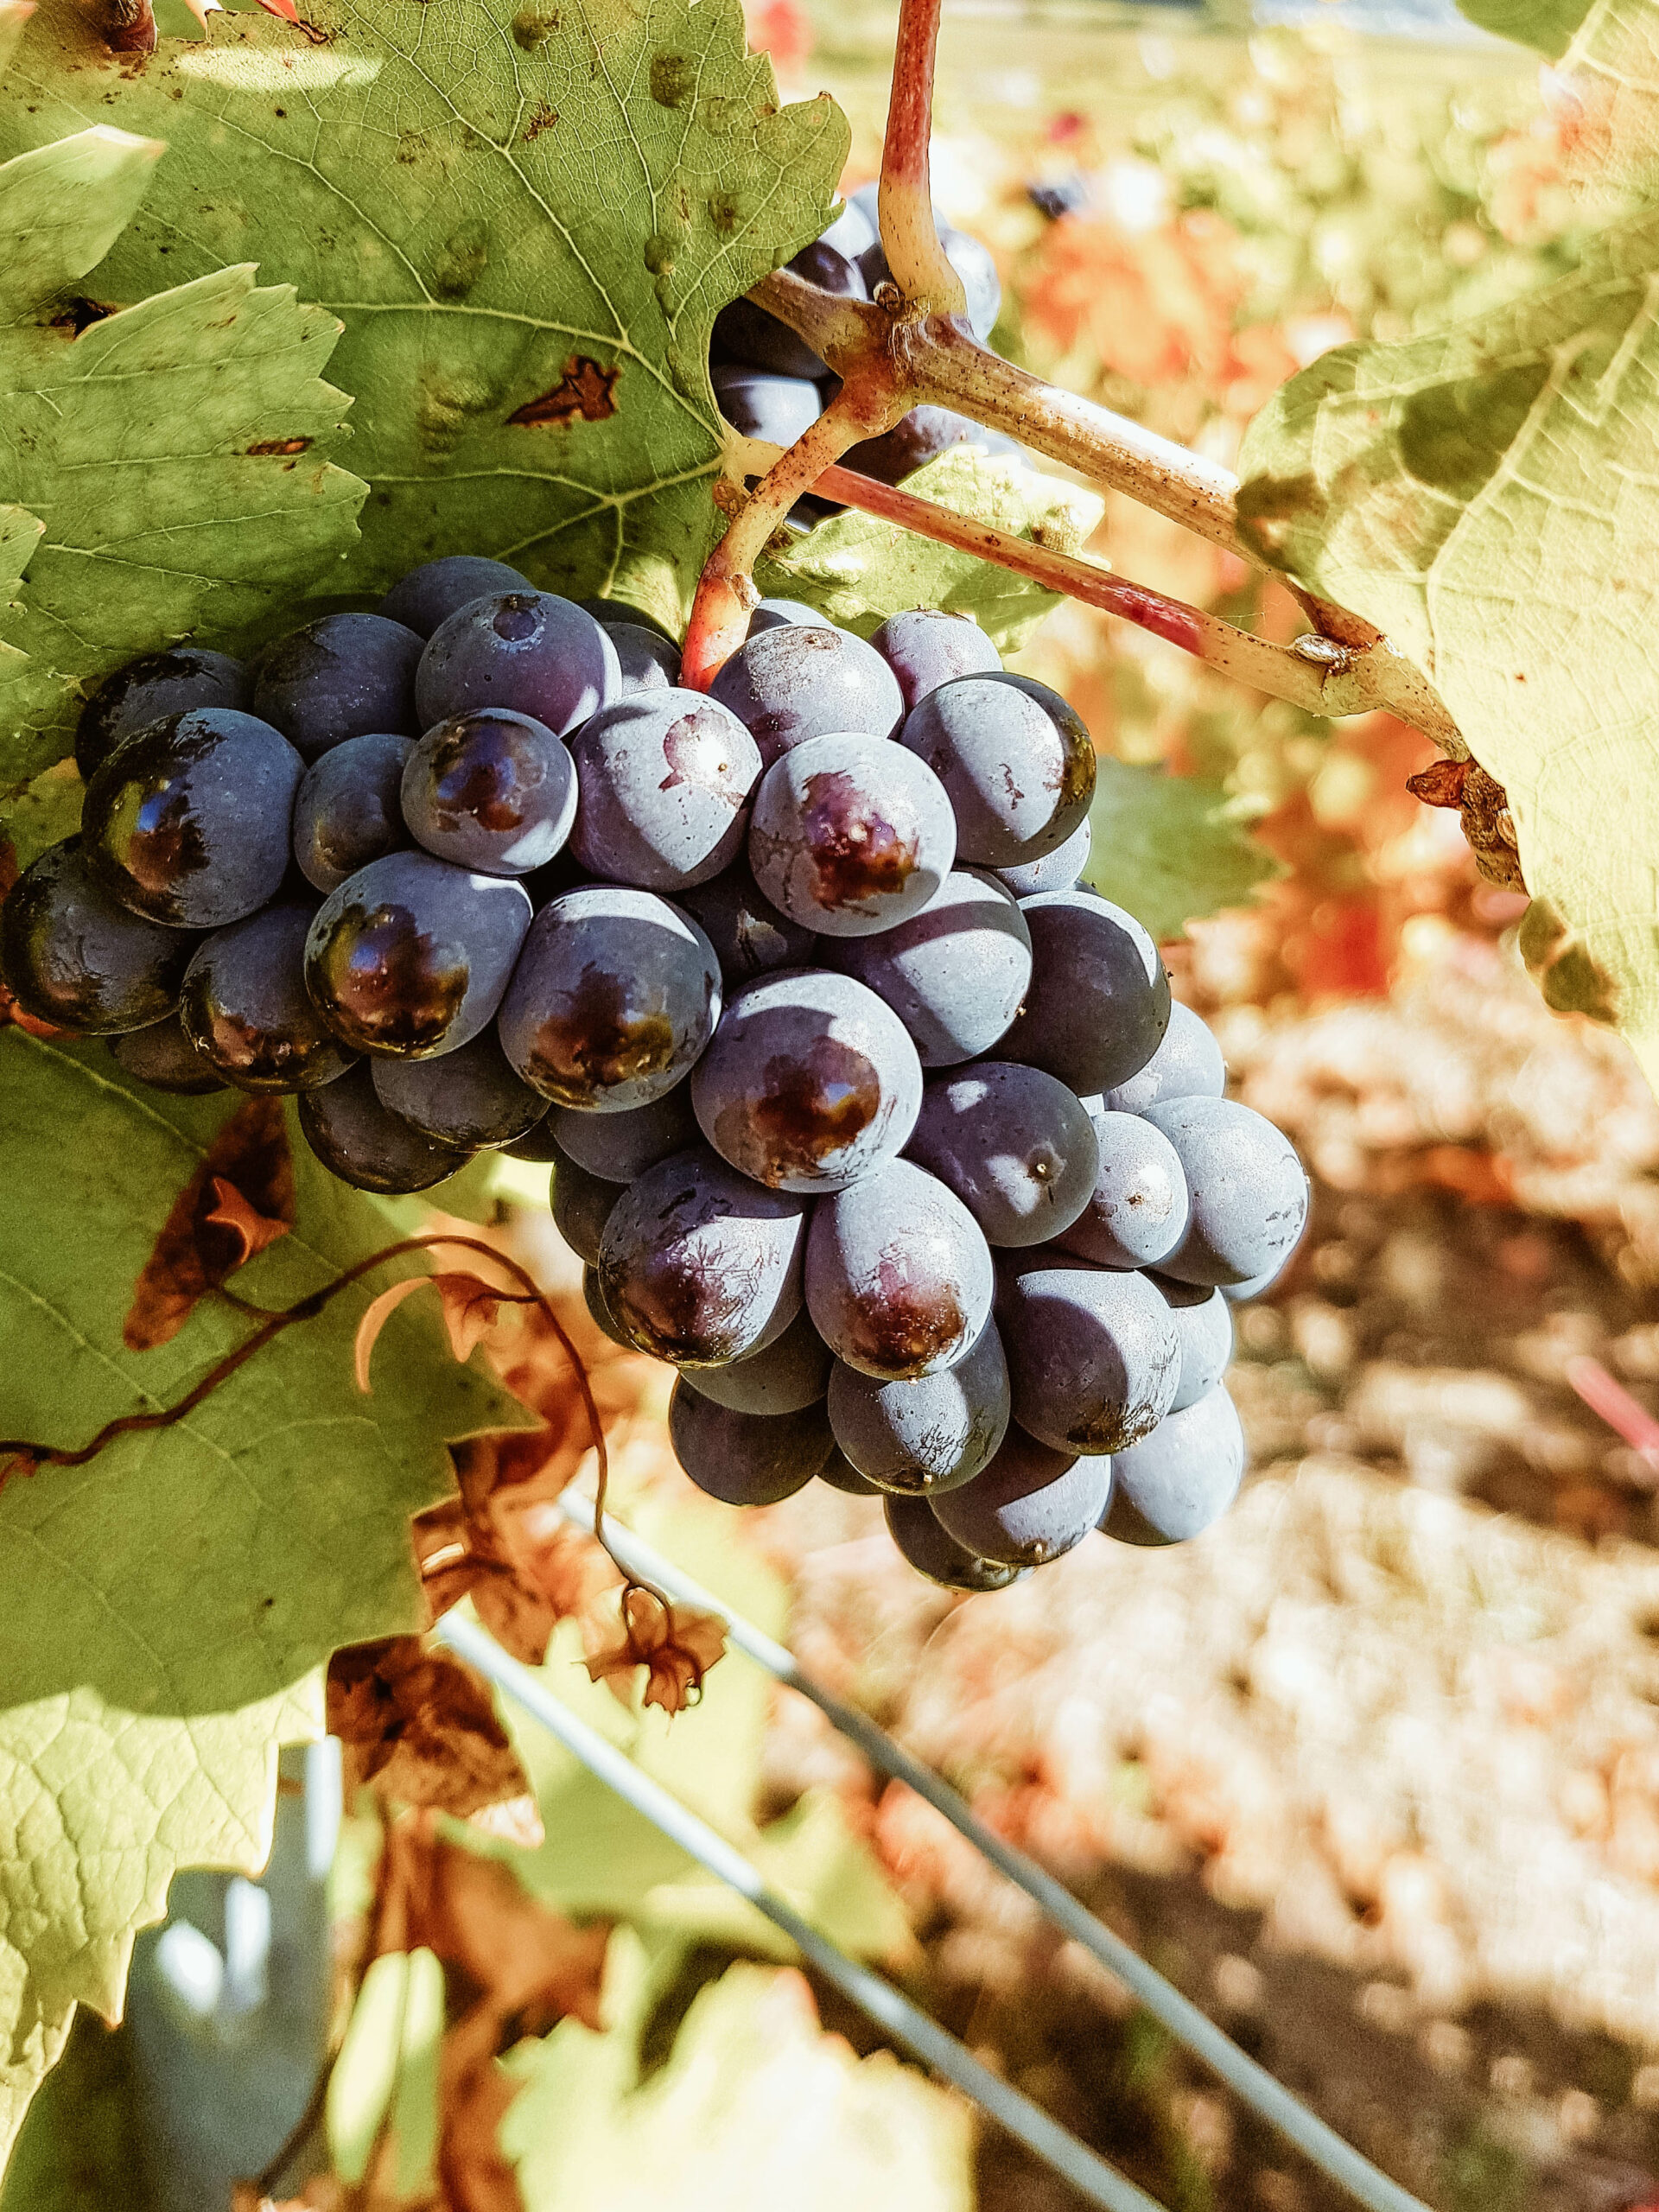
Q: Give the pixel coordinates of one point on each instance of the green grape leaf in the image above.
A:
(1546, 25)
(166, 1604)
(1489, 497)
(858, 571)
(528, 217)
(1171, 848)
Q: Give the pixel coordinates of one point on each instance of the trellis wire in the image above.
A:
(1318, 2142)
(1093, 2179)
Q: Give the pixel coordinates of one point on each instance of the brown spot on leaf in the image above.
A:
(540, 119)
(239, 1200)
(279, 445)
(584, 393)
(80, 315)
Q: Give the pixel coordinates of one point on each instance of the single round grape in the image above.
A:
(349, 808)
(536, 1145)
(932, 1551)
(1093, 1356)
(411, 957)
(615, 995)
(1241, 1293)
(245, 1008)
(929, 1434)
(852, 231)
(775, 613)
(620, 1146)
(648, 662)
(750, 937)
(593, 1291)
(606, 611)
(538, 654)
(747, 334)
(1016, 1146)
(746, 1458)
(582, 1204)
(665, 778)
(810, 1082)
(925, 648)
(1187, 1065)
(777, 409)
(782, 1377)
(1017, 762)
(699, 1265)
(470, 1097)
(899, 1279)
(799, 680)
(358, 1139)
(1136, 1213)
(840, 1473)
(1203, 1328)
(1173, 1484)
(1030, 1506)
(955, 974)
(1249, 1190)
(72, 956)
(491, 790)
(1099, 1000)
(428, 595)
(918, 437)
(188, 821)
(164, 1058)
(1056, 871)
(147, 690)
(850, 836)
(342, 675)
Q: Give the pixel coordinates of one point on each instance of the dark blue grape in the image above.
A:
(746, 1458)
(780, 613)
(245, 1008)
(357, 1139)
(620, 1146)
(778, 408)
(72, 956)
(164, 1058)
(1136, 1214)
(411, 957)
(606, 611)
(188, 821)
(593, 1291)
(956, 973)
(1055, 871)
(491, 790)
(1030, 1506)
(932, 1551)
(1187, 1065)
(852, 230)
(799, 680)
(782, 1377)
(1092, 1355)
(665, 777)
(840, 1473)
(1248, 1188)
(1016, 1146)
(582, 1204)
(349, 809)
(899, 1279)
(917, 438)
(428, 595)
(147, 690)
(699, 1265)
(750, 937)
(810, 1083)
(1203, 1328)
(615, 995)
(850, 834)
(1099, 1000)
(929, 1434)
(647, 661)
(469, 1098)
(338, 677)
(926, 648)
(536, 1145)
(1017, 762)
(1173, 1485)
(531, 651)
(749, 335)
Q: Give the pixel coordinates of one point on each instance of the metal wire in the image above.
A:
(1318, 2142)
(1093, 2179)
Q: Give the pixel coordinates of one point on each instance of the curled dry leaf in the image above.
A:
(471, 1309)
(676, 1646)
(239, 1200)
(421, 1727)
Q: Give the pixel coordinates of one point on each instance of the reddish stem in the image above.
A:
(909, 236)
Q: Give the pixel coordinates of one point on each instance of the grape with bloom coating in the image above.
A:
(428, 595)
(340, 676)
(491, 790)
(245, 1008)
(72, 956)
(148, 689)
(799, 680)
(749, 935)
(1056, 871)
(1136, 1214)
(899, 1279)
(927, 1546)
(840, 1473)
(469, 1096)
(771, 613)
(1187, 1065)
(1203, 1328)
(955, 974)
(582, 1204)
(1173, 1485)
(929, 1434)
(784, 1376)
(665, 777)
(1018, 764)
(1249, 1190)
(1016, 1146)
(349, 809)
(918, 437)
(646, 660)
(1099, 1000)
(531, 651)
(1029, 1506)
(1093, 1356)
(620, 1146)
(363, 1143)
(925, 648)
(761, 405)
(746, 1458)
(850, 834)
(163, 1056)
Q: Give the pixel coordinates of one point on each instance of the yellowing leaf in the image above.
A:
(1171, 848)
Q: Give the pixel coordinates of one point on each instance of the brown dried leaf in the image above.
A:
(471, 1309)
(421, 1727)
(676, 1646)
(239, 1200)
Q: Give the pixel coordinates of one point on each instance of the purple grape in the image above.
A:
(428, 595)
(1176, 1482)
(620, 1146)
(491, 790)
(582, 1204)
(929, 1434)
(72, 956)
(665, 777)
(608, 611)
(536, 1146)
(777, 613)
(245, 1008)
(358, 1139)
(1016, 1146)
(749, 335)
(1031, 1505)
(850, 834)
(647, 661)
(1241, 1293)
(1187, 1065)
(700, 1265)
(899, 1279)
(615, 995)
(917, 438)
(852, 232)
(1249, 1190)
(750, 937)
(955, 974)
(925, 648)
(162, 1057)
(147, 690)
(349, 809)
(810, 1082)
(929, 1547)
(1056, 871)
(343, 676)
(799, 680)
(778, 408)
(746, 1458)
(782, 1377)
(1093, 1356)
(599, 1313)
(1136, 1214)
(1099, 1000)
(1203, 1328)
(1018, 764)
(840, 1473)
(470, 1097)
(411, 957)
(529, 651)
(972, 262)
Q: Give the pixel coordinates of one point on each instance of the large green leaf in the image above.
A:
(1547, 25)
(1171, 848)
(528, 217)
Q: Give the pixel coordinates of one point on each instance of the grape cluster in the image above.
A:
(864, 1111)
